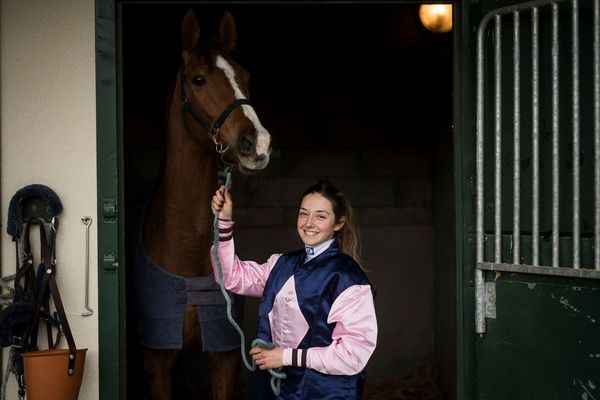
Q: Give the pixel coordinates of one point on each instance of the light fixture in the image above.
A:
(436, 17)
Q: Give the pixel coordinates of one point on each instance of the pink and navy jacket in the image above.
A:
(320, 312)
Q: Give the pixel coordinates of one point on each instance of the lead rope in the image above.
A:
(276, 374)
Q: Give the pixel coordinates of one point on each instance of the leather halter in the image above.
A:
(212, 129)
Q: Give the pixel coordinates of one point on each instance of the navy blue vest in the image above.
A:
(318, 284)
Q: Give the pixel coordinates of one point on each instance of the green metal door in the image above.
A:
(528, 156)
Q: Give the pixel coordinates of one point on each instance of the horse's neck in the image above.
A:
(178, 221)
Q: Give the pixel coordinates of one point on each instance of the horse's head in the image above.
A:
(214, 91)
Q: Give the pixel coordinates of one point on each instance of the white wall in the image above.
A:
(48, 136)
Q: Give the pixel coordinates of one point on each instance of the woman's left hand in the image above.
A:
(267, 359)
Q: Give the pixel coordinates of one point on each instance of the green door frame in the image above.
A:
(464, 164)
(111, 278)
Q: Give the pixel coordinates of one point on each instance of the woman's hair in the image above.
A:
(348, 236)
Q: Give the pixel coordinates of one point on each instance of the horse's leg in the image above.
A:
(193, 340)
(159, 370)
(224, 368)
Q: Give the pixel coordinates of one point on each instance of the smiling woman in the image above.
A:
(316, 307)
(316, 221)
(325, 213)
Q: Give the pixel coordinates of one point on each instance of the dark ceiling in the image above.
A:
(324, 73)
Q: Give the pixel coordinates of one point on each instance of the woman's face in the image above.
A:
(316, 221)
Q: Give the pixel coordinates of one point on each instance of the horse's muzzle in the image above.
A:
(247, 143)
(252, 152)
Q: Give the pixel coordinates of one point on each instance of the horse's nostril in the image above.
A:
(246, 144)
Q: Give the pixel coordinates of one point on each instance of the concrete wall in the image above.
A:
(444, 265)
(48, 136)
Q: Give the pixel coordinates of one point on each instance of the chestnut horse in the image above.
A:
(209, 118)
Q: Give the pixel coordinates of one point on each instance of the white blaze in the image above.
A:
(263, 138)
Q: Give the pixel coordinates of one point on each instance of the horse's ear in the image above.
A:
(190, 31)
(227, 32)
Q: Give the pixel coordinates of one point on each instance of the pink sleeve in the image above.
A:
(242, 277)
(354, 335)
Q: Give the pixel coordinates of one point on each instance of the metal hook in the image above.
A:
(87, 221)
(54, 223)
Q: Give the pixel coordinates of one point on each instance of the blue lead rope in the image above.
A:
(276, 374)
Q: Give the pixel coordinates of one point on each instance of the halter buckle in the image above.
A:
(213, 134)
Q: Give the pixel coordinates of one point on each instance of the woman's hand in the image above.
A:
(267, 359)
(221, 203)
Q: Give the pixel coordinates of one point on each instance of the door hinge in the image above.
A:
(109, 261)
(109, 210)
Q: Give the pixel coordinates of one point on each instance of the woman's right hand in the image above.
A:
(221, 203)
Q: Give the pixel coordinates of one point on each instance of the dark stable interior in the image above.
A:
(357, 93)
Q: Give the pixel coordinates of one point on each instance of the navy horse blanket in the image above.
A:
(160, 300)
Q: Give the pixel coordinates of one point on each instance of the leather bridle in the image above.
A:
(212, 129)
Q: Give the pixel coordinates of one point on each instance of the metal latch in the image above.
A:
(490, 300)
(109, 210)
(109, 261)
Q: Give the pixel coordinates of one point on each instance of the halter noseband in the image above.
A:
(211, 129)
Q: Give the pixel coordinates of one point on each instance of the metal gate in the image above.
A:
(536, 202)
(530, 263)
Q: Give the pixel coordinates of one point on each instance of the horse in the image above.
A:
(209, 120)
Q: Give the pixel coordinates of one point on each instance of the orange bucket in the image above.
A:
(46, 376)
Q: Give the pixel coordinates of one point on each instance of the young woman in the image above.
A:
(317, 303)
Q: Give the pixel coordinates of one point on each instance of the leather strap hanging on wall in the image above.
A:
(34, 293)
(49, 289)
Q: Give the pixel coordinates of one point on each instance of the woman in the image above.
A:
(317, 303)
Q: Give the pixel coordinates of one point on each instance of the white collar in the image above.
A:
(314, 251)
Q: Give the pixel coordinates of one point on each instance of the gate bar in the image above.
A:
(575, 50)
(555, 143)
(517, 135)
(535, 134)
(479, 279)
(541, 270)
(498, 137)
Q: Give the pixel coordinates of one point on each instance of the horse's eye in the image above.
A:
(198, 80)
